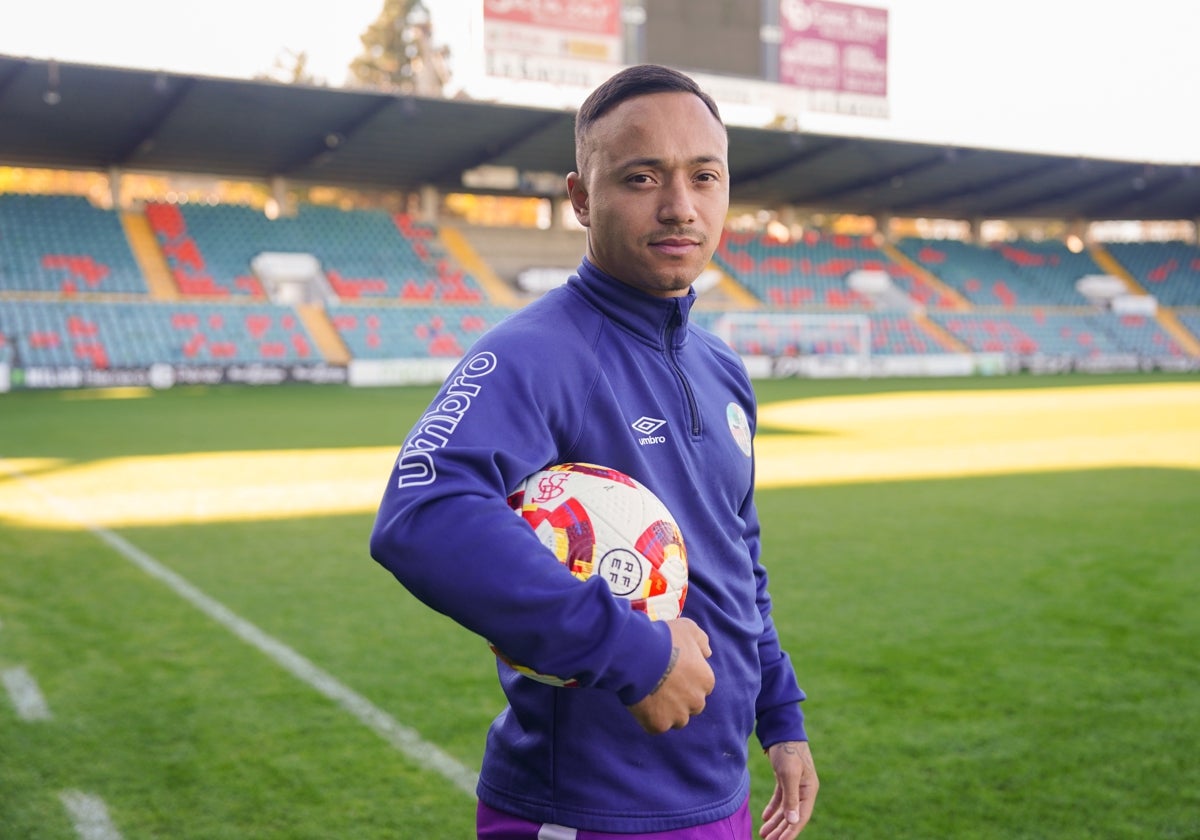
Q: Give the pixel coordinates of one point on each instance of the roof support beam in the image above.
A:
(334, 138)
(142, 137)
(494, 149)
(1029, 203)
(978, 188)
(879, 179)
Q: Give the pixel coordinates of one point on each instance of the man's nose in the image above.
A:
(678, 204)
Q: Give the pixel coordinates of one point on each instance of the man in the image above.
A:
(654, 741)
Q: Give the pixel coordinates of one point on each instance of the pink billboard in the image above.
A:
(566, 42)
(835, 47)
(598, 17)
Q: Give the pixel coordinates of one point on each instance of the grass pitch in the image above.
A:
(997, 639)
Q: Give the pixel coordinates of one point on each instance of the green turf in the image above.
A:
(1002, 657)
(1008, 657)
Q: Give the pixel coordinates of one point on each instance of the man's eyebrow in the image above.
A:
(656, 163)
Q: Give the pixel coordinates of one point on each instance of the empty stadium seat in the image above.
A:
(363, 253)
(412, 331)
(1168, 270)
(1064, 334)
(137, 334)
(66, 245)
(810, 271)
(1009, 274)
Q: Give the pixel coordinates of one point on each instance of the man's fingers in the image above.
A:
(691, 630)
(796, 785)
(688, 680)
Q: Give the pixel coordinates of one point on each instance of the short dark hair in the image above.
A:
(638, 80)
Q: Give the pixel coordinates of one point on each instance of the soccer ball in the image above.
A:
(600, 521)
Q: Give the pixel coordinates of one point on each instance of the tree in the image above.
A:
(398, 52)
(291, 68)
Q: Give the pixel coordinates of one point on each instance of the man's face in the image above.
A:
(653, 191)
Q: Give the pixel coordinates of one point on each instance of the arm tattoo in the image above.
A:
(670, 668)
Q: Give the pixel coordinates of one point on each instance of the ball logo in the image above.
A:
(598, 521)
(549, 487)
(622, 569)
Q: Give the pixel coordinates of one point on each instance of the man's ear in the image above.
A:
(579, 198)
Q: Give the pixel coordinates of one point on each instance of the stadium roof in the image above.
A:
(75, 116)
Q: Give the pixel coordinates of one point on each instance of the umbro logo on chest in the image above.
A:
(646, 427)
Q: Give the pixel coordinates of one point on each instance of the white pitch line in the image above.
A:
(26, 697)
(90, 816)
(408, 741)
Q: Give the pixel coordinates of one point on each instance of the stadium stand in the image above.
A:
(512, 253)
(813, 271)
(364, 253)
(896, 335)
(72, 293)
(1168, 270)
(102, 335)
(1063, 334)
(412, 331)
(1014, 274)
(64, 244)
(1190, 321)
(1139, 334)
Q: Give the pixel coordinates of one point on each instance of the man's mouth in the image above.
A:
(674, 245)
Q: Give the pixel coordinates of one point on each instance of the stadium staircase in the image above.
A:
(1171, 324)
(1111, 266)
(1167, 319)
(942, 336)
(460, 249)
(315, 318)
(728, 293)
(948, 298)
(149, 256)
(1168, 270)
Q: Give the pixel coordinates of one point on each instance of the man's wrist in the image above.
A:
(670, 667)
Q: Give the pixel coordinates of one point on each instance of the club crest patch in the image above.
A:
(739, 427)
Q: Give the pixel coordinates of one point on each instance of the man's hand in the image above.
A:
(791, 804)
(685, 684)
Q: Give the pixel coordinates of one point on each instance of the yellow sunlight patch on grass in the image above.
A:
(833, 440)
(27, 466)
(199, 487)
(131, 392)
(892, 437)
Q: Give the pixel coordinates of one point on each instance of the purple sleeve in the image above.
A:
(777, 709)
(445, 531)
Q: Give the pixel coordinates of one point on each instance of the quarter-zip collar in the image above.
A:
(654, 320)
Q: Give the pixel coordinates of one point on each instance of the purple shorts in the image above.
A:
(491, 824)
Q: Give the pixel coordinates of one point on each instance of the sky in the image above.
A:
(1071, 77)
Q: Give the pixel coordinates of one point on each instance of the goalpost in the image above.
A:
(801, 343)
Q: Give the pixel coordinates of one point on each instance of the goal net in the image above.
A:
(817, 344)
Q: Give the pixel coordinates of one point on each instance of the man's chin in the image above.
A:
(673, 286)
